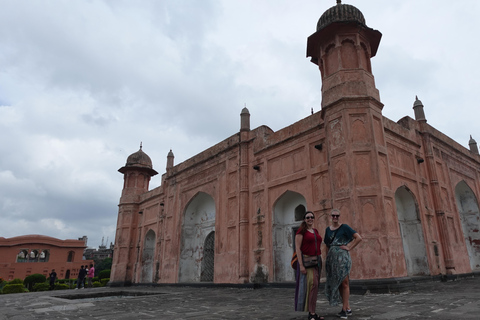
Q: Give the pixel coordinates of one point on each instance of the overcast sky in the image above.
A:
(82, 83)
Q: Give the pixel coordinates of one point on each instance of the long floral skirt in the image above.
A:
(306, 289)
(337, 267)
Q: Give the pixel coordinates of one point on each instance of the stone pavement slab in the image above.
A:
(430, 300)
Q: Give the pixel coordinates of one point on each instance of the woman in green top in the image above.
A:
(340, 239)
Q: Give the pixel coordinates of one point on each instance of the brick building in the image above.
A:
(228, 214)
(25, 255)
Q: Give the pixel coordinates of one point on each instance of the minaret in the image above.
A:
(356, 147)
(245, 120)
(137, 173)
(170, 158)
(418, 109)
(243, 271)
(342, 48)
(473, 145)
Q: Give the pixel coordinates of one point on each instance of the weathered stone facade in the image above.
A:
(228, 214)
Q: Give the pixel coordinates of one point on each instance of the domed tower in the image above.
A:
(137, 173)
(342, 48)
(359, 171)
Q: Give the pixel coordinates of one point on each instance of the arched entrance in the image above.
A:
(288, 214)
(147, 257)
(208, 262)
(469, 214)
(412, 233)
(198, 222)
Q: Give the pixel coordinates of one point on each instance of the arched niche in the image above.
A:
(198, 222)
(288, 213)
(467, 205)
(414, 249)
(148, 257)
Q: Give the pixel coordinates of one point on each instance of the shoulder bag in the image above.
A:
(312, 261)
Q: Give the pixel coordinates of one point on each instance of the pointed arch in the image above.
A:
(288, 212)
(412, 232)
(198, 222)
(467, 205)
(147, 257)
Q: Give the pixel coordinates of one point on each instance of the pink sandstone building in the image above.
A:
(25, 255)
(228, 214)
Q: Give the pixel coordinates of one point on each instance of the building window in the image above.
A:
(71, 255)
(22, 256)
(44, 255)
(33, 256)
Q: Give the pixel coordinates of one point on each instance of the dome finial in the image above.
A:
(140, 145)
(339, 1)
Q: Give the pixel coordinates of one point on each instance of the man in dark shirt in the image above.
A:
(53, 277)
(81, 277)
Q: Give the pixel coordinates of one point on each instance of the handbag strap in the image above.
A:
(315, 235)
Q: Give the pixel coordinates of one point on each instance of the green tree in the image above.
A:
(101, 265)
(33, 279)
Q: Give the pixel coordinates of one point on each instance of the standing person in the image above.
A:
(90, 275)
(340, 239)
(307, 244)
(53, 277)
(81, 277)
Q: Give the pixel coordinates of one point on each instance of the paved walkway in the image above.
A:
(432, 300)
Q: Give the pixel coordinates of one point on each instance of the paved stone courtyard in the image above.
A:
(431, 300)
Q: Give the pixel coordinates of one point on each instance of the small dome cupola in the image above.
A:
(341, 13)
(473, 145)
(139, 160)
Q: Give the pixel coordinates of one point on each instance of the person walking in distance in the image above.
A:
(52, 276)
(307, 246)
(81, 277)
(340, 239)
(90, 275)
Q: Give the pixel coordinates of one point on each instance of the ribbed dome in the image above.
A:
(139, 159)
(340, 13)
